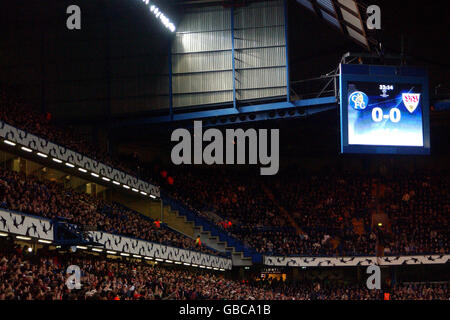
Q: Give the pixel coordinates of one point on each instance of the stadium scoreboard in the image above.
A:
(384, 109)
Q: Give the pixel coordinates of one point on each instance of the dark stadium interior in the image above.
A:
(97, 92)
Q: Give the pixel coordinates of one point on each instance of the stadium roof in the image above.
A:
(346, 15)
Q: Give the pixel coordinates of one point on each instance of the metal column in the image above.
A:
(232, 56)
(288, 85)
(170, 81)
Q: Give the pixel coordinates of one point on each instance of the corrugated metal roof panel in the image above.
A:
(255, 38)
(263, 57)
(260, 14)
(261, 78)
(199, 99)
(201, 42)
(198, 62)
(205, 19)
(202, 82)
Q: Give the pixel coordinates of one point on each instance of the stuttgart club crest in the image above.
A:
(411, 101)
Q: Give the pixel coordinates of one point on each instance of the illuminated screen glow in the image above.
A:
(385, 114)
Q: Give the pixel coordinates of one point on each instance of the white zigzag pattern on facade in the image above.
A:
(354, 261)
(21, 224)
(41, 145)
(24, 225)
(156, 250)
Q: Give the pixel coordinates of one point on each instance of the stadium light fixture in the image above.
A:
(23, 238)
(158, 259)
(44, 241)
(3, 234)
(177, 262)
(350, 4)
(82, 247)
(152, 196)
(169, 261)
(97, 250)
(111, 252)
(9, 142)
(124, 254)
(57, 160)
(42, 155)
(94, 175)
(82, 170)
(26, 149)
(135, 190)
(106, 179)
(70, 165)
(208, 267)
(137, 256)
(344, 15)
(215, 268)
(203, 267)
(148, 258)
(160, 16)
(221, 269)
(144, 193)
(116, 183)
(186, 264)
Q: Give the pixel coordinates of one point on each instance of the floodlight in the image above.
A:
(9, 142)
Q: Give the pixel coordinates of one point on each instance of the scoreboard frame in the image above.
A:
(353, 73)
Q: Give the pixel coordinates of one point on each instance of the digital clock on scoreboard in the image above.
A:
(384, 110)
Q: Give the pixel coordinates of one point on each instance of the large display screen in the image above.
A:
(384, 115)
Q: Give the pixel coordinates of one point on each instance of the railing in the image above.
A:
(214, 229)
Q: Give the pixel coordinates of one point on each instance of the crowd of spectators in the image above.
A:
(333, 214)
(49, 199)
(25, 276)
